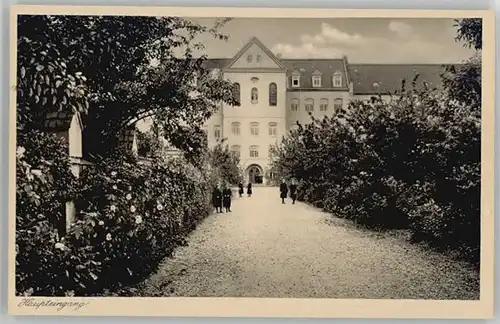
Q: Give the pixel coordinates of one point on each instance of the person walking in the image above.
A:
(249, 189)
(283, 191)
(241, 191)
(293, 191)
(227, 193)
(217, 199)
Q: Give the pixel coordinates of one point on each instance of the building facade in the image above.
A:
(275, 93)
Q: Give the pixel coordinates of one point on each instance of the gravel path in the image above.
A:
(267, 249)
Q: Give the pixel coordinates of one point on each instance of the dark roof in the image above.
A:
(384, 78)
(306, 67)
(366, 78)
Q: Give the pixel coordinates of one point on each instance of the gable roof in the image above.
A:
(308, 67)
(257, 42)
(385, 78)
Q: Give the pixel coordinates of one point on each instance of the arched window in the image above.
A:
(323, 104)
(255, 95)
(237, 92)
(235, 128)
(309, 105)
(273, 94)
(254, 128)
(294, 104)
(236, 151)
(337, 104)
(273, 129)
(217, 132)
(254, 151)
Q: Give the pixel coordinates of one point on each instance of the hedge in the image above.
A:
(411, 163)
(131, 216)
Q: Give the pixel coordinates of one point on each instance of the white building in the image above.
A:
(276, 92)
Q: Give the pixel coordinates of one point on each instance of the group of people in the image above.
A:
(222, 195)
(284, 189)
(221, 198)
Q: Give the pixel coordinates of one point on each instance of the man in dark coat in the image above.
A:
(283, 191)
(293, 191)
(227, 193)
(241, 191)
(249, 189)
(217, 199)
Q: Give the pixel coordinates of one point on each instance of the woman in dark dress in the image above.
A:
(249, 189)
(241, 191)
(283, 191)
(226, 197)
(217, 199)
(293, 191)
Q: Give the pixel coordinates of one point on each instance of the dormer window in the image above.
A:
(296, 79)
(316, 79)
(249, 58)
(337, 79)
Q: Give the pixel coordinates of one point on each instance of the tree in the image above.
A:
(225, 163)
(463, 82)
(118, 70)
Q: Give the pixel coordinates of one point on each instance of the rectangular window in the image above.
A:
(309, 106)
(337, 104)
(249, 58)
(254, 152)
(295, 106)
(273, 131)
(295, 81)
(217, 132)
(235, 129)
(323, 107)
(254, 129)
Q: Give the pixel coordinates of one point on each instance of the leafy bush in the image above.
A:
(43, 185)
(411, 163)
(132, 215)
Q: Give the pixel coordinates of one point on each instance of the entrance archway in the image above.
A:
(255, 174)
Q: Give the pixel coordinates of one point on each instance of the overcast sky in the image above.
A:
(372, 40)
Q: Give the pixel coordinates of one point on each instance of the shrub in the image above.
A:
(411, 163)
(132, 215)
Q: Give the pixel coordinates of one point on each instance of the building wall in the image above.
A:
(260, 112)
(302, 116)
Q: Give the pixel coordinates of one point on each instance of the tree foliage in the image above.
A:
(117, 70)
(225, 163)
(410, 163)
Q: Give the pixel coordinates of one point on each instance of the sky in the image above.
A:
(363, 40)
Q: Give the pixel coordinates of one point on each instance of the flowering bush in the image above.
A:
(43, 185)
(131, 216)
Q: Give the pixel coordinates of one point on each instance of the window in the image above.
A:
(273, 129)
(294, 105)
(337, 79)
(235, 128)
(249, 58)
(309, 105)
(273, 94)
(254, 151)
(323, 105)
(337, 104)
(296, 79)
(258, 58)
(255, 95)
(316, 80)
(236, 151)
(237, 92)
(217, 132)
(254, 128)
